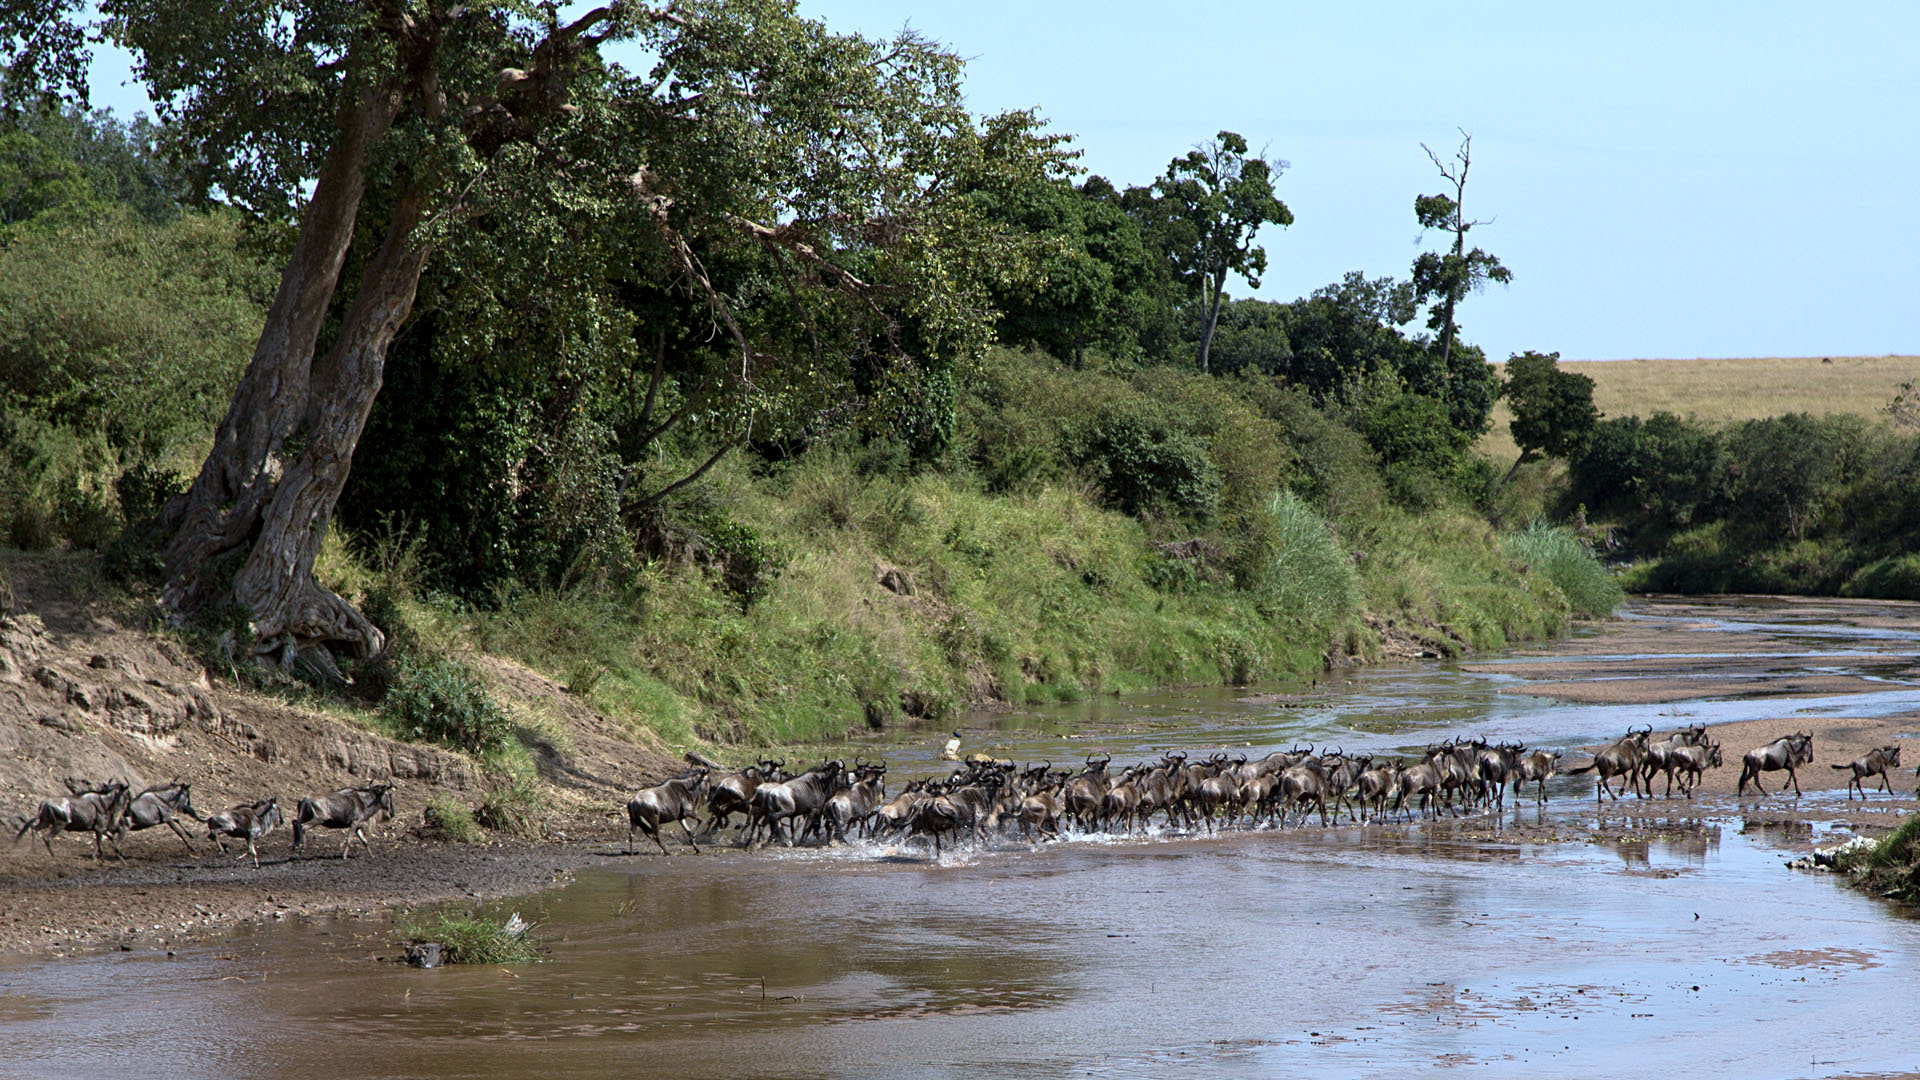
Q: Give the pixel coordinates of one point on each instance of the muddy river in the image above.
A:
(1526, 944)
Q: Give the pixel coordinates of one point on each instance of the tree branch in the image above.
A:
(689, 478)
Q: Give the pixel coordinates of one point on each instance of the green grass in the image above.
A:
(453, 820)
(1589, 588)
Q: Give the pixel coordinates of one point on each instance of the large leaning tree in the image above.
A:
(792, 186)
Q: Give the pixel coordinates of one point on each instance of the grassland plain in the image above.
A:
(1725, 390)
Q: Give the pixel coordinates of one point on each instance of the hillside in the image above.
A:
(1718, 389)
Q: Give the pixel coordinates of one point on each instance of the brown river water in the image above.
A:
(1527, 944)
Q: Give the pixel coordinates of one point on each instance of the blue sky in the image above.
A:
(1663, 179)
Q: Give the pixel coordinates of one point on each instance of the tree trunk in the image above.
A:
(1213, 317)
(264, 495)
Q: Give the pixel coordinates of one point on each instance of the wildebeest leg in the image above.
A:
(253, 851)
(181, 833)
(1795, 779)
(1883, 783)
(690, 840)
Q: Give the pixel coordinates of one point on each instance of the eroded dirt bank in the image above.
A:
(84, 692)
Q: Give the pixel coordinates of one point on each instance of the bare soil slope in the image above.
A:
(84, 694)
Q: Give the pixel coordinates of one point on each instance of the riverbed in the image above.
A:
(1632, 939)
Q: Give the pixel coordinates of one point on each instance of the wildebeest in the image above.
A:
(249, 822)
(733, 793)
(1539, 767)
(804, 796)
(1691, 762)
(1876, 763)
(157, 806)
(1087, 792)
(1782, 753)
(855, 806)
(1658, 754)
(97, 811)
(1623, 758)
(348, 808)
(675, 800)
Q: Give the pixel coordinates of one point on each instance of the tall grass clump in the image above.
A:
(469, 938)
(1557, 553)
(1307, 577)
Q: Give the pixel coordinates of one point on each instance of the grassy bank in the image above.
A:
(902, 600)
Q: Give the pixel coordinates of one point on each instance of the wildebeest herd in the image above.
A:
(831, 801)
(111, 810)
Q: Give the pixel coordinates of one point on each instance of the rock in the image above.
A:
(61, 723)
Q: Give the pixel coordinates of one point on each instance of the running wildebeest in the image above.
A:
(676, 800)
(805, 796)
(734, 792)
(1876, 763)
(1782, 753)
(157, 806)
(348, 808)
(97, 811)
(249, 823)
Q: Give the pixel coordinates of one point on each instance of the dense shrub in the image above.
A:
(1896, 577)
(434, 700)
(1144, 460)
(468, 938)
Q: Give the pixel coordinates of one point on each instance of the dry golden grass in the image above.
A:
(1726, 390)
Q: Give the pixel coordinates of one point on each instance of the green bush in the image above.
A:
(469, 938)
(1143, 460)
(512, 805)
(1557, 553)
(1896, 577)
(433, 700)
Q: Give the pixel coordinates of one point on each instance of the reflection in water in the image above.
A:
(1520, 943)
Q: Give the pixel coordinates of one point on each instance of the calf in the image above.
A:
(249, 823)
(349, 808)
(1539, 767)
(1876, 763)
(1692, 762)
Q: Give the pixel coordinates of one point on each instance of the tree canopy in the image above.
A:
(1220, 195)
(777, 210)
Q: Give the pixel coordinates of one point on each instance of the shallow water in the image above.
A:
(1525, 945)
